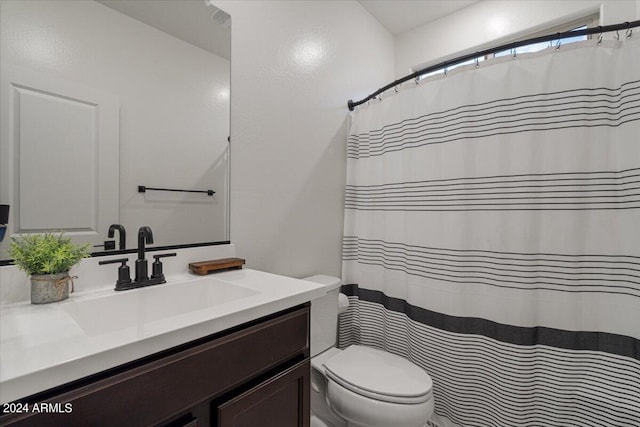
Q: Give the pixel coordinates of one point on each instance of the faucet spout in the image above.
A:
(145, 235)
(122, 234)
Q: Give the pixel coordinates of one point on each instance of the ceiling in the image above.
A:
(192, 21)
(399, 16)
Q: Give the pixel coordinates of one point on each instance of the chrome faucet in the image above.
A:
(145, 235)
(122, 235)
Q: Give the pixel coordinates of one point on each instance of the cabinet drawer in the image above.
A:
(280, 401)
(159, 389)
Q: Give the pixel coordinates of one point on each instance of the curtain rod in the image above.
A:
(557, 36)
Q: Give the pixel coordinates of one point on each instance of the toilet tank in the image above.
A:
(324, 314)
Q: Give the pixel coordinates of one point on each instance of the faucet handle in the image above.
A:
(156, 267)
(157, 257)
(124, 278)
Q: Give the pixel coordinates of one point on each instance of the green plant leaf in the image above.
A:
(46, 253)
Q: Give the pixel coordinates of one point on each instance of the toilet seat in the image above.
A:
(379, 375)
(361, 411)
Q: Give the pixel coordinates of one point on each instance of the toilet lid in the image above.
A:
(379, 374)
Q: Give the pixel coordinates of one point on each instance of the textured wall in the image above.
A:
(294, 66)
(486, 23)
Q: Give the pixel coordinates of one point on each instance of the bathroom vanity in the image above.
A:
(242, 362)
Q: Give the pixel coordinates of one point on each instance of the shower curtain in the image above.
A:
(492, 236)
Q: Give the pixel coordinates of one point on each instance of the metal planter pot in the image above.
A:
(46, 288)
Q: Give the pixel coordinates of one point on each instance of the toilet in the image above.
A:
(360, 386)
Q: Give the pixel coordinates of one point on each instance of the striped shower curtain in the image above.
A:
(492, 236)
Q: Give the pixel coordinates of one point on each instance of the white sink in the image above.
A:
(45, 345)
(144, 306)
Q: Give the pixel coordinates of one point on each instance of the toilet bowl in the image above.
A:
(361, 386)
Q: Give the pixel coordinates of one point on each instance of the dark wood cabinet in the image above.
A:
(257, 371)
(280, 401)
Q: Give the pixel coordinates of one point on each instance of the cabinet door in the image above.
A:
(281, 401)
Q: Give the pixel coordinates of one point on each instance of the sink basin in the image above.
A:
(142, 307)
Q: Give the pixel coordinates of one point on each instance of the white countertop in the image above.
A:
(42, 346)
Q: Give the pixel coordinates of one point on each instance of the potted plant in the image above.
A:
(47, 258)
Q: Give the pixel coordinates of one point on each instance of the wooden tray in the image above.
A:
(206, 267)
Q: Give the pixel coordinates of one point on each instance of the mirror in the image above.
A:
(115, 112)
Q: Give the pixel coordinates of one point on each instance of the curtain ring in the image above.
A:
(617, 35)
(395, 89)
(629, 31)
(558, 44)
(417, 80)
(515, 53)
(600, 37)
(445, 70)
(379, 98)
(477, 61)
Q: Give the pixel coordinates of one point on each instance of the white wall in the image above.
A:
(294, 66)
(173, 125)
(492, 22)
